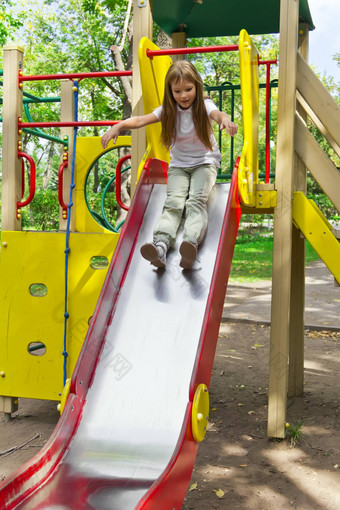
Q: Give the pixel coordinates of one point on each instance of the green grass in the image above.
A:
(253, 258)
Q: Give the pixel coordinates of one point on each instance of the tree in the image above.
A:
(9, 21)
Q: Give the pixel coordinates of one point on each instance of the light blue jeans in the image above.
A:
(189, 188)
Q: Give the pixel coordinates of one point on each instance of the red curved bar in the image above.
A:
(62, 167)
(32, 180)
(186, 51)
(22, 179)
(119, 181)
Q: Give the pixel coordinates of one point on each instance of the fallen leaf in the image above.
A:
(220, 493)
(193, 486)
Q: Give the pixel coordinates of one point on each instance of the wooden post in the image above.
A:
(179, 40)
(282, 251)
(297, 303)
(142, 27)
(11, 164)
(66, 115)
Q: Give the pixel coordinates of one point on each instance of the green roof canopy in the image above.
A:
(209, 18)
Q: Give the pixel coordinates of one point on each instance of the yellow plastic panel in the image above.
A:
(152, 72)
(315, 227)
(249, 162)
(89, 149)
(38, 257)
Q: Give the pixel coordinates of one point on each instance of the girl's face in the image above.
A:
(184, 93)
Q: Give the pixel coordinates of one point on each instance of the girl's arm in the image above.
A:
(224, 122)
(130, 123)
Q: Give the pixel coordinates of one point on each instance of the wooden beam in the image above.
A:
(282, 250)
(307, 109)
(297, 302)
(318, 98)
(142, 27)
(11, 164)
(317, 162)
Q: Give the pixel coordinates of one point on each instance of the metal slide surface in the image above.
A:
(133, 420)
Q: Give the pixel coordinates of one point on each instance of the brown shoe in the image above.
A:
(189, 253)
(154, 254)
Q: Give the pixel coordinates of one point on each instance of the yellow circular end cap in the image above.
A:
(200, 413)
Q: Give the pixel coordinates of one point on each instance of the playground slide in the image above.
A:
(124, 440)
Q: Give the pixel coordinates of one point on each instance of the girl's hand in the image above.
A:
(113, 133)
(229, 126)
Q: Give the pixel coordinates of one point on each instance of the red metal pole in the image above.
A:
(67, 124)
(186, 51)
(73, 76)
(267, 63)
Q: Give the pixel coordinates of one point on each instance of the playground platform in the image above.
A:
(251, 302)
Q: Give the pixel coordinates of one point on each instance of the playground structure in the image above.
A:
(296, 150)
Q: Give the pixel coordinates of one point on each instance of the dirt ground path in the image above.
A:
(237, 466)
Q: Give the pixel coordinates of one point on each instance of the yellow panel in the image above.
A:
(38, 257)
(89, 149)
(152, 72)
(266, 199)
(249, 162)
(314, 226)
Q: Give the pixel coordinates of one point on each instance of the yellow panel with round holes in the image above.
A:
(32, 291)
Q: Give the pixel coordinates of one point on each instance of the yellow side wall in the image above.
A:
(152, 72)
(38, 257)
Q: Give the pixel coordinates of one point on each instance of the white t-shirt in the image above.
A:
(188, 150)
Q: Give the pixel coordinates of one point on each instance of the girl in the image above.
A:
(186, 118)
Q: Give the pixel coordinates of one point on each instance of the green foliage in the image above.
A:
(9, 21)
(294, 433)
(42, 213)
(253, 254)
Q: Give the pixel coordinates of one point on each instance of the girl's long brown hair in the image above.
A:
(178, 71)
